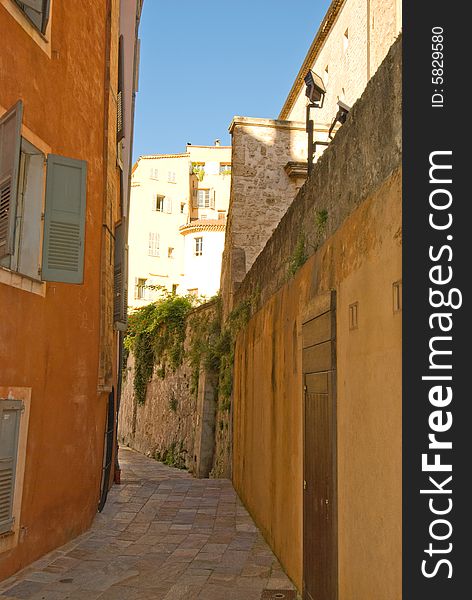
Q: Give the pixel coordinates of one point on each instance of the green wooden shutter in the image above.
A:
(120, 288)
(64, 220)
(10, 414)
(120, 116)
(10, 148)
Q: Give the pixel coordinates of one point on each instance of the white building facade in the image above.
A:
(178, 209)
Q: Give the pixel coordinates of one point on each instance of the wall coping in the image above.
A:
(269, 123)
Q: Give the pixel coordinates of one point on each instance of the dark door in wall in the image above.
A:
(319, 485)
(108, 450)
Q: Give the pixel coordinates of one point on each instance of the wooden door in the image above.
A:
(319, 494)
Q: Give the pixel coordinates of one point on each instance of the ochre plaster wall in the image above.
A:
(50, 343)
(360, 261)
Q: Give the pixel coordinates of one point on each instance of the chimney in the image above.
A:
(217, 142)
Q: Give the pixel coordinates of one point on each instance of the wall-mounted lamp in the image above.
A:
(315, 92)
(341, 116)
(315, 89)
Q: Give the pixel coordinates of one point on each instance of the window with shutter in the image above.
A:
(203, 197)
(212, 199)
(10, 148)
(168, 205)
(159, 203)
(120, 116)
(64, 220)
(10, 414)
(198, 246)
(154, 241)
(120, 299)
(37, 12)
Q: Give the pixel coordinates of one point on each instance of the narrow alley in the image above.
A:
(162, 535)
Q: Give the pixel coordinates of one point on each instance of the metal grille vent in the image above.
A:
(64, 246)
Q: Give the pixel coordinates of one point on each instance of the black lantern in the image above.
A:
(315, 89)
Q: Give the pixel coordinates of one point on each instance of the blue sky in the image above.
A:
(204, 62)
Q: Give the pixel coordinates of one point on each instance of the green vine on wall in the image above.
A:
(321, 220)
(156, 336)
(198, 171)
(298, 257)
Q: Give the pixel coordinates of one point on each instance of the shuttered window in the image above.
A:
(64, 221)
(10, 148)
(10, 414)
(120, 114)
(203, 199)
(153, 248)
(37, 12)
(198, 246)
(120, 287)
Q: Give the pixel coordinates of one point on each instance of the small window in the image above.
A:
(153, 249)
(159, 203)
(203, 216)
(346, 40)
(140, 289)
(159, 206)
(221, 215)
(174, 288)
(170, 252)
(37, 12)
(198, 246)
(154, 173)
(203, 198)
(171, 176)
(182, 207)
(225, 168)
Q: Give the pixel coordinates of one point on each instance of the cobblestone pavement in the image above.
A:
(162, 535)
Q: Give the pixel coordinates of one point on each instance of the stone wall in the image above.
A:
(363, 154)
(175, 423)
(346, 62)
(261, 190)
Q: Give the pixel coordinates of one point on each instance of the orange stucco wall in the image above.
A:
(361, 261)
(51, 344)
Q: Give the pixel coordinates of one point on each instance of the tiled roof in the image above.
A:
(203, 225)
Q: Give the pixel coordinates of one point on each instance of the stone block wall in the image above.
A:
(175, 422)
(261, 190)
(364, 152)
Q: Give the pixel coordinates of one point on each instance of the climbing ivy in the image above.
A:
(156, 336)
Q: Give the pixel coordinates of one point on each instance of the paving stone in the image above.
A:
(162, 536)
